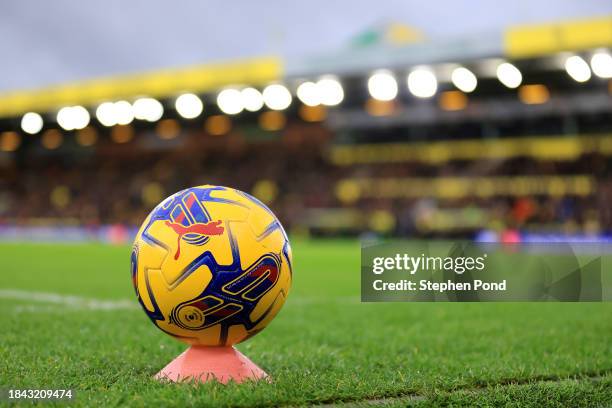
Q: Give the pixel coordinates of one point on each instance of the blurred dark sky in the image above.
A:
(44, 42)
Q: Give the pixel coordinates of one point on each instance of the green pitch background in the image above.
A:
(325, 347)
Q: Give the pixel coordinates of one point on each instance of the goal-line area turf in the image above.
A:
(70, 319)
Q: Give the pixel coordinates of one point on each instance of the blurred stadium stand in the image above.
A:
(499, 136)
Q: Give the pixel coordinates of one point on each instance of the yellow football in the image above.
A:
(211, 266)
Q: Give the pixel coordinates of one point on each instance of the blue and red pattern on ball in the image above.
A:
(237, 289)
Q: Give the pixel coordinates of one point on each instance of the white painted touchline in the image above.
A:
(68, 300)
(81, 303)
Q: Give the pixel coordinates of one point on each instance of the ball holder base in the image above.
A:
(204, 364)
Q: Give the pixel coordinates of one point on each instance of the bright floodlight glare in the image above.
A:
(509, 75)
(382, 86)
(148, 109)
(140, 108)
(308, 93)
(330, 91)
(73, 117)
(31, 123)
(106, 114)
(601, 64)
(80, 117)
(464, 79)
(578, 69)
(124, 113)
(189, 106)
(230, 101)
(252, 100)
(65, 119)
(422, 83)
(277, 97)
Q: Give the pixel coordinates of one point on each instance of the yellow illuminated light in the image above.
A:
(9, 141)
(87, 136)
(534, 94)
(380, 108)
(272, 120)
(313, 113)
(218, 125)
(453, 100)
(52, 139)
(168, 129)
(122, 133)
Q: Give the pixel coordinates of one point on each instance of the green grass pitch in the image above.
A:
(325, 347)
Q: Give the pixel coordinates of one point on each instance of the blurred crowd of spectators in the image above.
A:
(105, 188)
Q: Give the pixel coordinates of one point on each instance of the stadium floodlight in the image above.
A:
(308, 93)
(382, 86)
(65, 118)
(124, 112)
(31, 123)
(509, 75)
(189, 106)
(277, 97)
(601, 64)
(73, 117)
(148, 109)
(80, 117)
(464, 79)
(578, 69)
(105, 113)
(252, 100)
(330, 91)
(230, 101)
(422, 83)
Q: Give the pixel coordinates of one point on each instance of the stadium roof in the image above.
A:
(377, 47)
(55, 42)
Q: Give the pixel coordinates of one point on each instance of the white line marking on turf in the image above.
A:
(57, 302)
(69, 301)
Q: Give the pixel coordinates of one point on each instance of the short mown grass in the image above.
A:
(325, 347)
